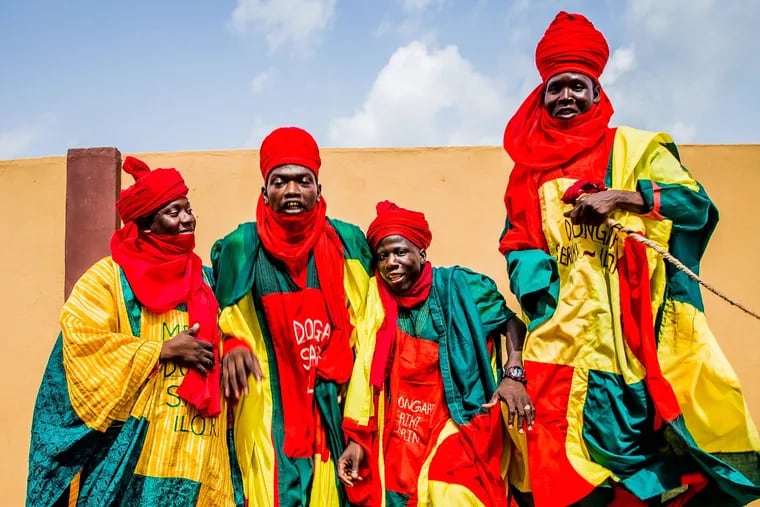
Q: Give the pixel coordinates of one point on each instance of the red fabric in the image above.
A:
(300, 330)
(290, 239)
(537, 141)
(232, 343)
(369, 490)
(418, 293)
(638, 326)
(416, 412)
(289, 145)
(523, 203)
(571, 44)
(163, 271)
(150, 191)
(393, 220)
(579, 188)
(472, 458)
(549, 388)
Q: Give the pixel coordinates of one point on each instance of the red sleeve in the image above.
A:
(522, 228)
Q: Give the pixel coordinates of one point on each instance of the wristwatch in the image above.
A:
(516, 373)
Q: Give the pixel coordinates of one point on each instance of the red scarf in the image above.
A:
(535, 140)
(163, 271)
(385, 336)
(290, 238)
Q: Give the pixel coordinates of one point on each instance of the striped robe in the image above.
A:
(109, 427)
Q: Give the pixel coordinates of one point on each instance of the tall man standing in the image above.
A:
(289, 287)
(634, 399)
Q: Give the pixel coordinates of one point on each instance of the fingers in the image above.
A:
(226, 376)
(492, 402)
(255, 366)
(240, 377)
(194, 329)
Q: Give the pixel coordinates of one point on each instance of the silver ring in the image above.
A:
(527, 408)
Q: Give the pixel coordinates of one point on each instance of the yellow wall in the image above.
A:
(460, 190)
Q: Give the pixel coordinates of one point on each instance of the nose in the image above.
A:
(292, 188)
(186, 218)
(565, 93)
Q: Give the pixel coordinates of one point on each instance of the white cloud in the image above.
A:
(621, 61)
(683, 72)
(424, 97)
(262, 81)
(683, 132)
(259, 131)
(296, 22)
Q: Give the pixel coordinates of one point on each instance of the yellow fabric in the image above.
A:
(702, 377)
(253, 415)
(360, 407)
(110, 370)
(445, 495)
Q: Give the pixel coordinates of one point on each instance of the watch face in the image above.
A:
(516, 372)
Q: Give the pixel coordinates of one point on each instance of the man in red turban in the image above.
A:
(134, 376)
(635, 402)
(423, 382)
(289, 286)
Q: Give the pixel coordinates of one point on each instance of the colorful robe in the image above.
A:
(279, 466)
(630, 386)
(426, 439)
(109, 427)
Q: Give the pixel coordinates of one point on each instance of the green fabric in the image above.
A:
(395, 499)
(60, 442)
(234, 256)
(466, 308)
(326, 396)
(165, 492)
(232, 259)
(534, 280)
(618, 433)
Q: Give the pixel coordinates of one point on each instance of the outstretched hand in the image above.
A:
(521, 410)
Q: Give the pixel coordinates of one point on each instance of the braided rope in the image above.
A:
(678, 264)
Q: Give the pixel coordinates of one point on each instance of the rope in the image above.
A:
(678, 264)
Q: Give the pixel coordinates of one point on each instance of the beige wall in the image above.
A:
(460, 190)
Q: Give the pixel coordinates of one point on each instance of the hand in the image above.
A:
(594, 208)
(185, 349)
(514, 395)
(348, 464)
(237, 364)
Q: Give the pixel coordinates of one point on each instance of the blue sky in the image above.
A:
(159, 75)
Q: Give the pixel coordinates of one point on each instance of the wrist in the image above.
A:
(516, 373)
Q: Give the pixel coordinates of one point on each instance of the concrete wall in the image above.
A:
(460, 190)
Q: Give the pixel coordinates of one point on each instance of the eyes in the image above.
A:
(304, 181)
(174, 212)
(401, 252)
(577, 86)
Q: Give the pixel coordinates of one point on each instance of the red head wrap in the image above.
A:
(392, 219)
(289, 145)
(150, 190)
(533, 138)
(571, 44)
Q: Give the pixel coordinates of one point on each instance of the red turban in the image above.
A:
(571, 44)
(150, 190)
(393, 220)
(289, 145)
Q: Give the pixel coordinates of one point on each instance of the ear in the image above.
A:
(319, 190)
(423, 254)
(597, 93)
(264, 195)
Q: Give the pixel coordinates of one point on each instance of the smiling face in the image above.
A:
(569, 94)
(175, 217)
(291, 189)
(399, 262)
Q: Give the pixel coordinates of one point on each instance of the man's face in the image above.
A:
(291, 189)
(175, 217)
(399, 262)
(569, 94)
